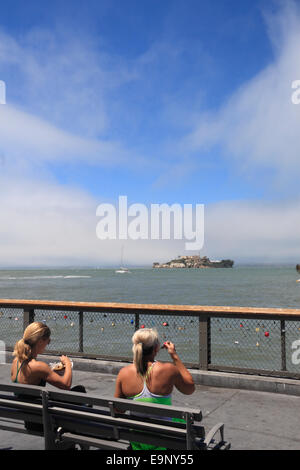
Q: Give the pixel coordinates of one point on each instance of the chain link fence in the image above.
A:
(246, 343)
(109, 334)
(239, 344)
(11, 325)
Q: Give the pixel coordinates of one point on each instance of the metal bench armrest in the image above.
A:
(213, 432)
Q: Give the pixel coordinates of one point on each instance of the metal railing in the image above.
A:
(263, 341)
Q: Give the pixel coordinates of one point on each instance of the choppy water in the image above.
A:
(249, 286)
(233, 343)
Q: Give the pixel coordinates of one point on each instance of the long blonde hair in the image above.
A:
(33, 333)
(144, 341)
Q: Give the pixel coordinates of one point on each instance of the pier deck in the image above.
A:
(254, 419)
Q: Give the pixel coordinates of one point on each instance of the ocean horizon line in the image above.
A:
(135, 266)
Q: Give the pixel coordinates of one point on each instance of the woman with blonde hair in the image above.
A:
(26, 369)
(150, 380)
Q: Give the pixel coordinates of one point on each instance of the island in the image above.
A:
(195, 262)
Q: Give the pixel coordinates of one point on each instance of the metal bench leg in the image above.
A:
(49, 435)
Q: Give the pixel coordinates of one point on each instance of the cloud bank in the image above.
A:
(46, 223)
(258, 126)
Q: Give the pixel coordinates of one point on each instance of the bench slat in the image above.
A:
(20, 405)
(86, 430)
(31, 390)
(101, 443)
(54, 411)
(125, 404)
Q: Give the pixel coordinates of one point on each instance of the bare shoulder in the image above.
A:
(40, 366)
(125, 371)
(124, 378)
(166, 368)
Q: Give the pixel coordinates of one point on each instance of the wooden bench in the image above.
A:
(19, 404)
(86, 420)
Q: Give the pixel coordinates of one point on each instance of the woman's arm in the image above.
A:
(183, 380)
(65, 381)
(118, 388)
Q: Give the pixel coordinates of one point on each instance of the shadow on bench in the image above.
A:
(66, 418)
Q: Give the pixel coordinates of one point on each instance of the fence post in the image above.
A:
(28, 317)
(283, 345)
(137, 321)
(204, 342)
(80, 331)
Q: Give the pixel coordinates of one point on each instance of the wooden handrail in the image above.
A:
(155, 309)
(204, 313)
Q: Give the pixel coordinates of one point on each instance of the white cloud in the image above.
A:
(26, 137)
(258, 127)
(62, 76)
(44, 223)
(57, 109)
(253, 231)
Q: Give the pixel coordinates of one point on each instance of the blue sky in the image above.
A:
(165, 102)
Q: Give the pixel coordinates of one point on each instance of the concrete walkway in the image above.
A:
(264, 417)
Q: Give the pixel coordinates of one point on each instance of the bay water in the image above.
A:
(236, 343)
(248, 286)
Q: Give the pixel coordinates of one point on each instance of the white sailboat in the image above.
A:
(122, 270)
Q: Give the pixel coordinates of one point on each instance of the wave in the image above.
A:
(75, 277)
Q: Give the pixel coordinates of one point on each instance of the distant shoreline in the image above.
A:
(132, 266)
(190, 262)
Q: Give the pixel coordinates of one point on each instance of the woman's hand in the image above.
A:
(170, 347)
(65, 360)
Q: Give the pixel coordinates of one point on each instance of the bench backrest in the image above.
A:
(100, 416)
(20, 403)
(147, 422)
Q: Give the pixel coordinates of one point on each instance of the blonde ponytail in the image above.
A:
(33, 333)
(144, 341)
(138, 358)
(22, 351)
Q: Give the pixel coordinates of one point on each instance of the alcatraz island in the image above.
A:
(195, 262)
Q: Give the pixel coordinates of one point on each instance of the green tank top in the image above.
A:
(146, 396)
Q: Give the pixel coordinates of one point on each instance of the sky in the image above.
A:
(173, 102)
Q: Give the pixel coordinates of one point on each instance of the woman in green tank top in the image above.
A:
(150, 380)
